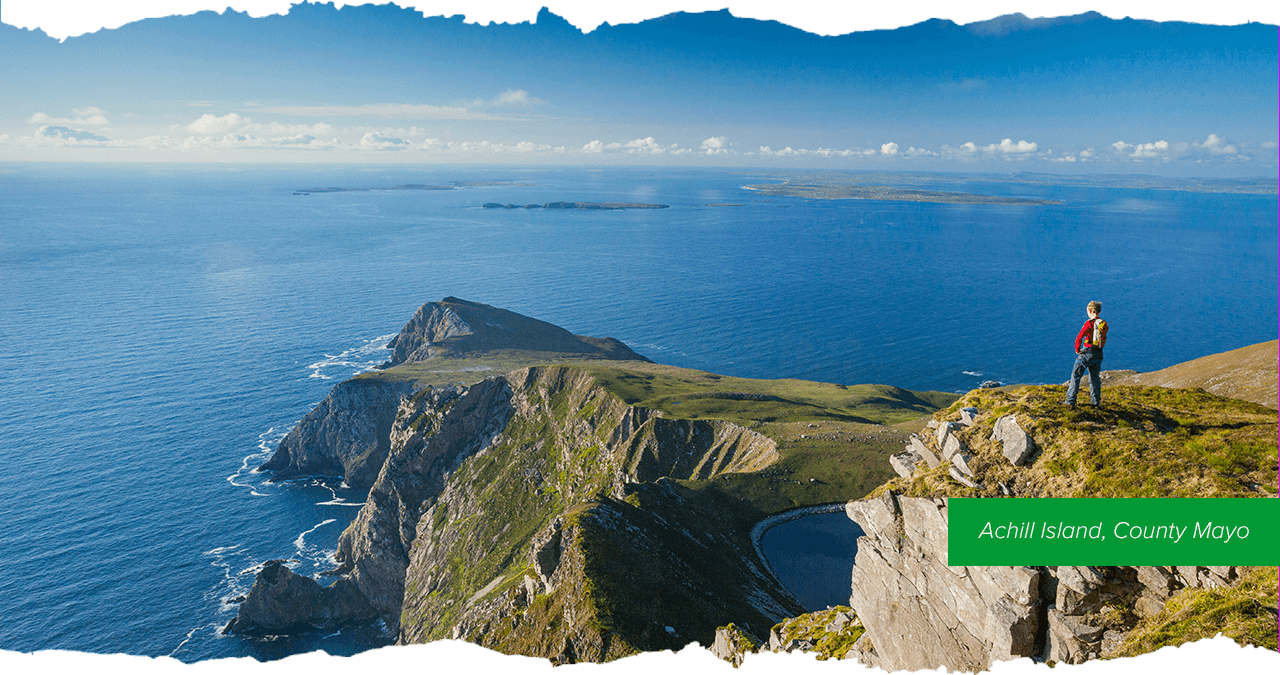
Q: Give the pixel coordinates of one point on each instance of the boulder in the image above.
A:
(905, 463)
(967, 416)
(961, 478)
(1017, 445)
(945, 429)
(952, 446)
(919, 447)
(961, 460)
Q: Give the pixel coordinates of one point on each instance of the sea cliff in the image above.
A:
(554, 495)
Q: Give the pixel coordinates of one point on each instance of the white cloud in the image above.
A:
(1008, 147)
(1219, 146)
(61, 133)
(90, 116)
(716, 145)
(213, 124)
(919, 152)
(598, 146)
(889, 149)
(804, 152)
(1269, 145)
(381, 142)
(514, 98)
(639, 146)
(1214, 148)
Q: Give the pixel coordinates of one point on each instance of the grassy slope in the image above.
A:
(1249, 374)
(1145, 442)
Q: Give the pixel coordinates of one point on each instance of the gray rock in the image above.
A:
(921, 614)
(945, 429)
(967, 416)
(905, 463)
(347, 434)
(951, 446)
(546, 553)
(932, 424)
(1017, 445)
(1077, 590)
(1071, 640)
(284, 603)
(930, 457)
(961, 460)
(961, 478)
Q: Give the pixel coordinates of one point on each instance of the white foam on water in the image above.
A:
(300, 542)
(971, 373)
(246, 476)
(362, 358)
(215, 626)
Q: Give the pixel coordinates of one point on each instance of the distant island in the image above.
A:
(885, 193)
(599, 206)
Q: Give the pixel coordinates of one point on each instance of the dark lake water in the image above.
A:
(161, 328)
(813, 557)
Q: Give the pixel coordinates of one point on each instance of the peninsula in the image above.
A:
(553, 495)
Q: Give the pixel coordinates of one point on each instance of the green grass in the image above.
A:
(1245, 613)
(694, 394)
(1144, 442)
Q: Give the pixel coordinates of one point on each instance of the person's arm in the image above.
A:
(1088, 327)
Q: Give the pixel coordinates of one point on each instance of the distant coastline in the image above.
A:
(884, 193)
(596, 206)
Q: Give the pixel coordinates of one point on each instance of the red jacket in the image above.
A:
(1085, 339)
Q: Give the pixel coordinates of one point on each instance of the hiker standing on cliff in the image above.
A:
(1089, 343)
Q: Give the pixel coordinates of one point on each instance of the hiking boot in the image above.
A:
(1069, 404)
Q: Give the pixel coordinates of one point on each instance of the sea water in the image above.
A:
(162, 327)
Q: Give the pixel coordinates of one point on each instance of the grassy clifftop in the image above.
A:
(1145, 442)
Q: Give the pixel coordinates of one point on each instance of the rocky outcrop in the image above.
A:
(434, 432)
(529, 485)
(347, 434)
(282, 602)
(921, 614)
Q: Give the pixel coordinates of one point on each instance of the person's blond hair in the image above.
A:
(1094, 306)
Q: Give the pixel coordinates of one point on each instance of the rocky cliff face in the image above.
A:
(920, 613)
(346, 435)
(502, 510)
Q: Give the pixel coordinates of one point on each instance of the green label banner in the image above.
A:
(1113, 531)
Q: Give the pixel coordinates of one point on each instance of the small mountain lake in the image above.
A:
(813, 557)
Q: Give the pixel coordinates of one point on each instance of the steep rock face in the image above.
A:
(347, 434)
(475, 473)
(433, 433)
(282, 602)
(920, 614)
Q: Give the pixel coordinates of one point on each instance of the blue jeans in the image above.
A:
(1090, 360)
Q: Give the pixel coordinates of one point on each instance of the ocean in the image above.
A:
(163, 327)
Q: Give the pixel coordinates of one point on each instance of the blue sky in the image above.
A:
(385, 85)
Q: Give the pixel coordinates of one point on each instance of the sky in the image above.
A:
(244, 91)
